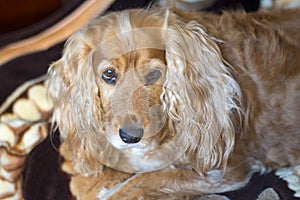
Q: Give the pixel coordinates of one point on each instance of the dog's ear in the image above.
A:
(200, 94)
(72, 86)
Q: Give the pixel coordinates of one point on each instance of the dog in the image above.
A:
(188, 4)
(190, 102)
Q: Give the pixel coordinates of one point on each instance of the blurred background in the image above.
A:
(18, 14)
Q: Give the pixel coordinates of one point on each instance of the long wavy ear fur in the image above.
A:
(72, 86)
(200, 95)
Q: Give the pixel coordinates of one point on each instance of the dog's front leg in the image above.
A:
(173, 183)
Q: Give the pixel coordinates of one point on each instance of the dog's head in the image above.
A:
(138, 89)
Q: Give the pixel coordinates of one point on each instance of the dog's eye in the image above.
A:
(153, 76)
(109, 76)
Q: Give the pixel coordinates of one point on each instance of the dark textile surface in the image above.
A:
(24, 68)
(42, 177)
(39, 26)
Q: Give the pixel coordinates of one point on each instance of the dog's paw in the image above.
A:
(103, 193)
(123, 191)
(292, 176)
(107, 194)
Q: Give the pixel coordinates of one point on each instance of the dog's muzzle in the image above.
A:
(131, 134)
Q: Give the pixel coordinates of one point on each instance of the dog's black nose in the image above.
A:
(131, 135)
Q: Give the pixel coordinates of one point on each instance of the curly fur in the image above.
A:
(228, 93)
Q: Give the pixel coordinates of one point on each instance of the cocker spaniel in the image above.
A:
(191, 102)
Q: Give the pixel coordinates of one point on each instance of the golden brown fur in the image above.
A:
(217, 98)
